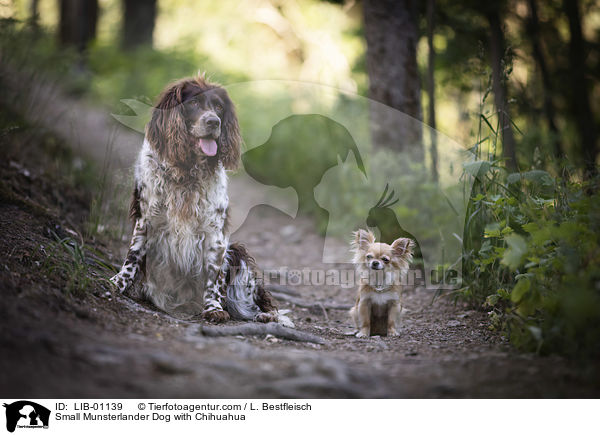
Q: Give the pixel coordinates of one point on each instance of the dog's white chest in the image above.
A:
(180, 217)
(382, 298)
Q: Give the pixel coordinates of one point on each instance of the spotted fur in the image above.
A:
(180, 245)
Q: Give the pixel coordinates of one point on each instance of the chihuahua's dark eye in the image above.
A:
(385, 259)
(369, 257)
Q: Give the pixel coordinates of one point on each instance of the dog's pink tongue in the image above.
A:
(208, 146)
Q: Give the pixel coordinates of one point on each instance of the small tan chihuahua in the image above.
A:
(381, 268)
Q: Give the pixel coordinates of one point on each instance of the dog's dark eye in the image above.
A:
(369, 257)
(219, 108)
(385, 259)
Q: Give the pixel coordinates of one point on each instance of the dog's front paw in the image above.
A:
(265, 317)
(216, 316)
(363, 334)
(284, 320)
(119, 282)
(392, 332)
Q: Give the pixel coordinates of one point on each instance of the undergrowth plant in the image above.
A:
(531, 253)
(67, 258)
(76, 263)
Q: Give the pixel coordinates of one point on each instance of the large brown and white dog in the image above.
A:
(180, 205)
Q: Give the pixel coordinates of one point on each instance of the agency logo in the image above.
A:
(24, 414)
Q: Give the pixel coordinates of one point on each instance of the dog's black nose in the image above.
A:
(376, 265)
(213, 122)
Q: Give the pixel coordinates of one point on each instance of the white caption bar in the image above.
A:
(160, 416)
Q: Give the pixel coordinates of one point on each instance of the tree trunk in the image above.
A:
(580, 96)
(431, 89)
(499, 87)
(533, 29)
(78, 20)
(138, 22)
(391, 33)
(34, 13)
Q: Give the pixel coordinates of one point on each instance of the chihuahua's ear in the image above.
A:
(403, 247)
(362, 240)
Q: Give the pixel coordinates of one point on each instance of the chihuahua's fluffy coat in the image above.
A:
(381, 268)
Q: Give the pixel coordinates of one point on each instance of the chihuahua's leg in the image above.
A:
(354, 313)
(393, 311)
(364, 318)
(354, 316)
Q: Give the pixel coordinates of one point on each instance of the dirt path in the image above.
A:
(99, 344)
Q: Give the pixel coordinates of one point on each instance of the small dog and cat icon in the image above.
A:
(26, 414)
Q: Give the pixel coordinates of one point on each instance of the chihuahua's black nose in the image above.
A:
(376, 265)
(213, 122)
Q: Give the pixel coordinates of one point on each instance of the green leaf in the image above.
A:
(492, 230)
(503, 294)
(142, 115)
(485, 247)
(521, 289)
(515, 126)
(540, 177)
(491, 300)
(488, 123)
(513, 178)
(531, 227)
(477, 168)
(530, 301)
(524, 275)
(517, 248)
(536, 176)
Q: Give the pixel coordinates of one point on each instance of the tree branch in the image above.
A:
(304, 304)
(281, 289)
(249, 329)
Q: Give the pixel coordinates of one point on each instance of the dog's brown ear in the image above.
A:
(230, 141)
(403, 248)
(362, 240)
(167, 131)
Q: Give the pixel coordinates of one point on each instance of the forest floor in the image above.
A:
(64, 332)
(58, 342)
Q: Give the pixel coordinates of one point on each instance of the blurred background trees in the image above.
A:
(139, 17)
(77, 23)
(391, 31)
(580, 103)
(535, 62)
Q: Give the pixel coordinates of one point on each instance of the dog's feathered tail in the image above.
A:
(246, 296)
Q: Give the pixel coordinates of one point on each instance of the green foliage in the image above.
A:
(531, 251)
(109, 207)
(67, 258)
(537, 267)
(144, 72)
(422, 206)
(33, 49)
